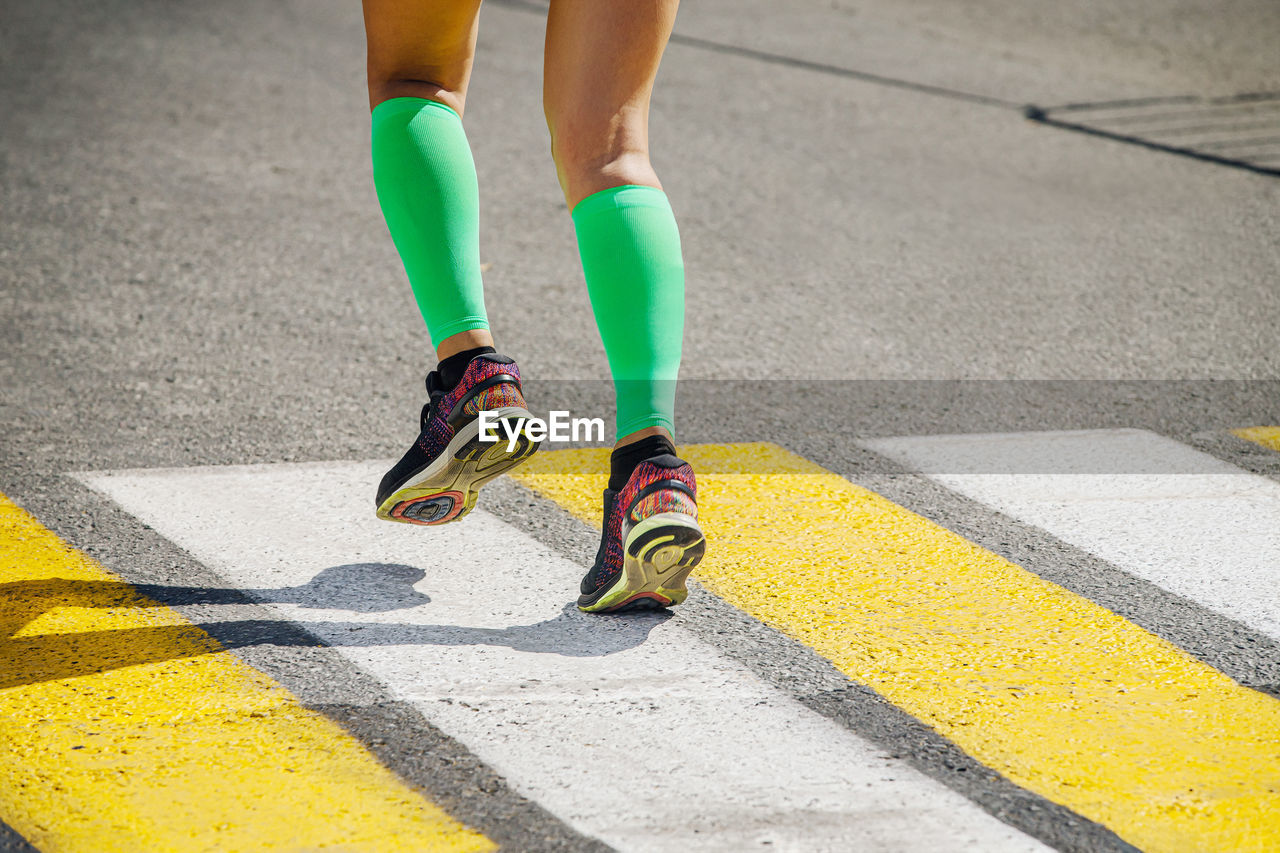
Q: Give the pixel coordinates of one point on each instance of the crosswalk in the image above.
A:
(1148, 505)
(646, 734)
(562, 704)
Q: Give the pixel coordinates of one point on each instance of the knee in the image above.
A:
(388, 85)
(593, 153)
(419, 54)
(585, 169)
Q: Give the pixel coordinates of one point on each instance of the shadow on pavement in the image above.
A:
(64, 650)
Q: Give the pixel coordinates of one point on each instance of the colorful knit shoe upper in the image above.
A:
(491, 381)
(660, 484)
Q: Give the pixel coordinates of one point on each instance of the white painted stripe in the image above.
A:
(1179, 518)
(630, 729)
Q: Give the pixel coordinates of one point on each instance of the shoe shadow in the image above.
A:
(361, 587)
(571, 634)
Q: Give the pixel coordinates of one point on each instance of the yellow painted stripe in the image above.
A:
(1267, 436)
(123, 728)
(1059, 695)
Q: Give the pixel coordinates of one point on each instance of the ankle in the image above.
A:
(626, 457)
(453, 367)
(462, 341)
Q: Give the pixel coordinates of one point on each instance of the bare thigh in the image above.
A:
(599, 66)
(420, 49)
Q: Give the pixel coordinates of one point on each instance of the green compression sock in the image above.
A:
(630, 249)
(426, 183)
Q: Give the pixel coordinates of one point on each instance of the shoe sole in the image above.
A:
(447, 489)
(659, 554)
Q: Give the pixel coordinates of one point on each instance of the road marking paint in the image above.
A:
(123, 727)
(1267, 436)
(1056, 693)
(628, 728)
(1195, 525)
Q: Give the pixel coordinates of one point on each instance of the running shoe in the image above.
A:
(437, 479)
(650, 543)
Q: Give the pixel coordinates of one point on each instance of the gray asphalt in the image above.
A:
(877, 241)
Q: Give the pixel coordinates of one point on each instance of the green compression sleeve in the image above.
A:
(426, 183)
(630, 250)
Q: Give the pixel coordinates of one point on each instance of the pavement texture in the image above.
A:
(879, 245)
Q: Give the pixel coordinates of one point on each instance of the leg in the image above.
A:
(419, 57)
(601, 60)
